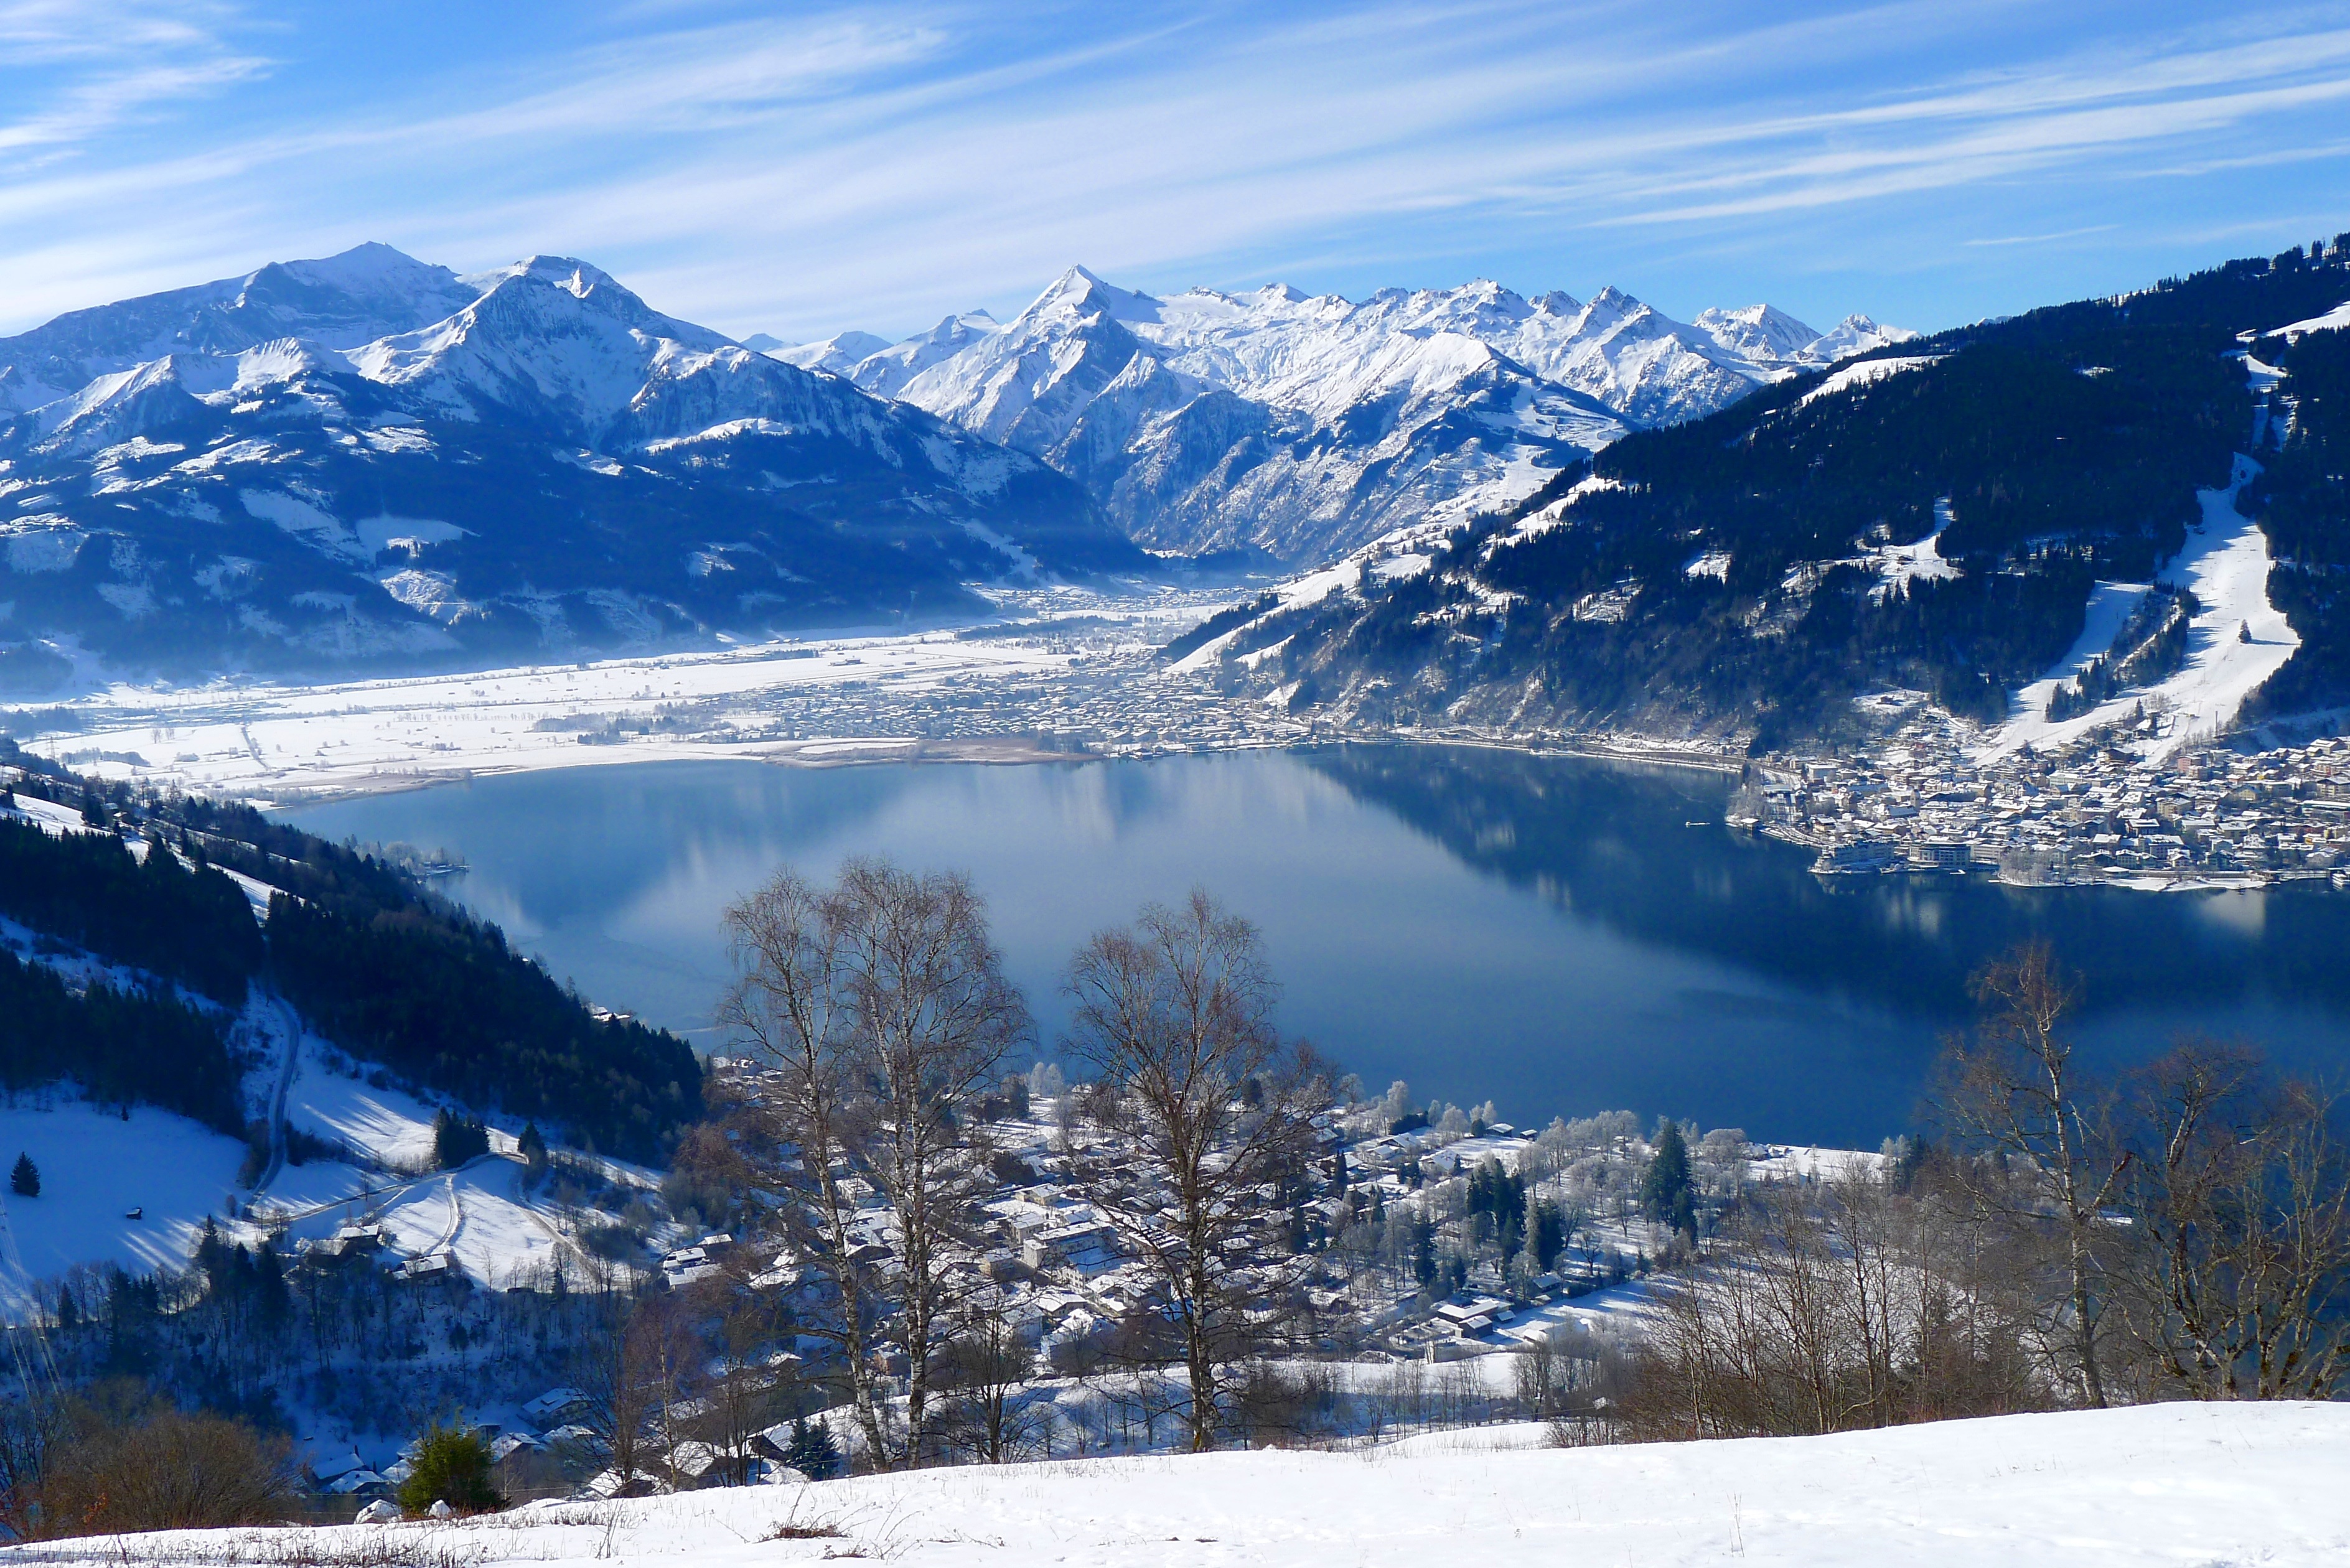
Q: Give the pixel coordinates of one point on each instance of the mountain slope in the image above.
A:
(1934, 519)
(161, 893)
(1309, 425)
(367, 459)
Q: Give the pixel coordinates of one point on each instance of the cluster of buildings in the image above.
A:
(1064, 1261)
(2091, 813)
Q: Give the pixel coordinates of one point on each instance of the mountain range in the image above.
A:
(371, 459)
(1306, 425)
(1933, 520)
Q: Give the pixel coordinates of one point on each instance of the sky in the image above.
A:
(799, 170)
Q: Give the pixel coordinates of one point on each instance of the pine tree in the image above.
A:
(276, 1301)
(25, 1181)
(813, 1450)
(452, 1466)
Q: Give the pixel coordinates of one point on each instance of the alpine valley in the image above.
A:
(368, 461)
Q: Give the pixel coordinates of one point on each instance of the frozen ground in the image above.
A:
(2173, 1485)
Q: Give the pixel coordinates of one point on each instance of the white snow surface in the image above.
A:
(2110, 608)
(2333, 321)
(268, 740)
(95, 1167)
(1902, 565)
(2225, 563)
(2172, 1485)
(1867, 373)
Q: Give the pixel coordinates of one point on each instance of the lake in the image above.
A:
(1556, 935)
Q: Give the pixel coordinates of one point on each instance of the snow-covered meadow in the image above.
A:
(284, 739)
(2165, 1484)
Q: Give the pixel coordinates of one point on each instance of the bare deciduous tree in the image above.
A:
(2014, 1092)
(1828, 1309)
(880, 1007)
(985, 1369)
(2238, 1276)
(1175, 1015)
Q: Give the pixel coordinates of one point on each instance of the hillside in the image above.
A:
(136, 969)
(371, 461)
(1935, 519)
(2160, 1484)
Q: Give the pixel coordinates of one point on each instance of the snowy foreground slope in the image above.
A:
(2167, 1484)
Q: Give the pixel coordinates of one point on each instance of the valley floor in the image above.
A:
(1072, 671)
(2167, 1484)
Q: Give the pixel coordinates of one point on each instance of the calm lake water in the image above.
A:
(1557, 935)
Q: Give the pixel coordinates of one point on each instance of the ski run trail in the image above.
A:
(2237, 640)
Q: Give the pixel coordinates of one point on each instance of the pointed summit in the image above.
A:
(1078, 292)
(1760, 332)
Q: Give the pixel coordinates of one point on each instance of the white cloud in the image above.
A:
(880, 165)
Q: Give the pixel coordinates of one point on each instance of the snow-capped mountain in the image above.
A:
(1309, 424)
(370, 457)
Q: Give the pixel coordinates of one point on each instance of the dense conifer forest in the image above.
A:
(384, 967)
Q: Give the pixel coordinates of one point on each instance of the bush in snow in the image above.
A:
(453, 1467)
(25, 1181)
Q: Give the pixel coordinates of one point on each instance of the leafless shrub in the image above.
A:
(118, 1461)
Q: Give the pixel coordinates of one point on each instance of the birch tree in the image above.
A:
(2016, 1093)
(879, 1008)
(1175, 1015)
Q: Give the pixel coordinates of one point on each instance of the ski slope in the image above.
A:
(2236, 642)
(2178, 1486)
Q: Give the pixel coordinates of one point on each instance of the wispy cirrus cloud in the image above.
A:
(801, 169)
(72, 72)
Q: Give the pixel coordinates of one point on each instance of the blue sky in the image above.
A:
(799, 170)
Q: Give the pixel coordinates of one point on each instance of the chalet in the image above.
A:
(431, 1269)
(555, 1404)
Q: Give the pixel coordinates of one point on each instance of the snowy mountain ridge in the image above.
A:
(1310, 424)
(368, 457)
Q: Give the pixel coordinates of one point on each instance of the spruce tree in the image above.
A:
(25, 1181)
(1665, 1188)
(813, 1450)
(452, 1466)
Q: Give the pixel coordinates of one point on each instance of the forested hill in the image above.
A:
(1931, 518)
(373, 959)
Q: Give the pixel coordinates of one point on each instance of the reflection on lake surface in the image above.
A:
(1553, 934)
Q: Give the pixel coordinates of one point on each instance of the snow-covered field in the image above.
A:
(96, 1167)
(283, 739)
(2174, 1485)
